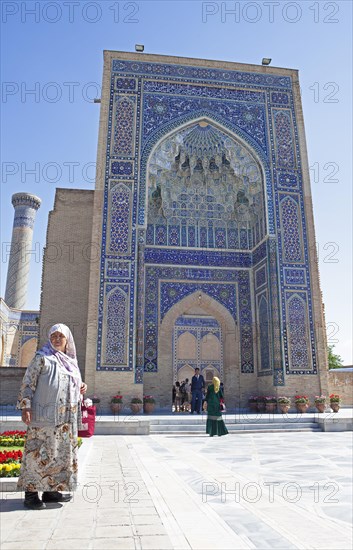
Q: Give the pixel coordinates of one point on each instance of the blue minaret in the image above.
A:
(26, 206)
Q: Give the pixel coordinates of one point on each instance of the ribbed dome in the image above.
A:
(203, 141)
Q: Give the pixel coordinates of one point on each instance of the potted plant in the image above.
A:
(116, 403)
(253, 403)
(283, 404)
(149, 404)
(270, 403)
(301, 402)
(335, 401)
(135, 405)
(320, 402)
(261, 403)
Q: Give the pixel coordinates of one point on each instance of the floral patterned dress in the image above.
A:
(50, 456)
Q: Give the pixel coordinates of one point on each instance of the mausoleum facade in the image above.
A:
(201, 232)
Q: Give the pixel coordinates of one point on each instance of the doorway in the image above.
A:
(197, 343)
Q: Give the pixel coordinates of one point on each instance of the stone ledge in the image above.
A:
(337, 424)
(123, 426)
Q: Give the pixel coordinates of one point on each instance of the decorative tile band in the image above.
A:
(197, 257)
(185, 72)
(176, 88)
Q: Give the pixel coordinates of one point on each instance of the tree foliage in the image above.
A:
(334, 361)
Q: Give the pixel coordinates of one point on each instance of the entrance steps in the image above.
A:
(185, 424)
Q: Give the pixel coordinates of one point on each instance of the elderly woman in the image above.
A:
(49, 399)
(215, 424)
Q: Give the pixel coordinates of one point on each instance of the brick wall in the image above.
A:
(341, 382)
(10, 382)
(67, 258)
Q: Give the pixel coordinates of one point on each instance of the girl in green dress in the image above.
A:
(215, 424)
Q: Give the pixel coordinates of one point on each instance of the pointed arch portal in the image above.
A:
(202, 315)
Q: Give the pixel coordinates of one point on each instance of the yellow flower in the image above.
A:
(8, 467)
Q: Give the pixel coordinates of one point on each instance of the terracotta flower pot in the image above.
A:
(116, 408)
(335, 407)
(302, 407)
(135, 407)
(261, 406)
(270, 407)
(148, 408)
(320, 407)
(283, 408)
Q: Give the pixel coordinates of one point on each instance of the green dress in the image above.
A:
(215, 424)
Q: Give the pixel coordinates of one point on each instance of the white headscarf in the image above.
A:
(67, 360)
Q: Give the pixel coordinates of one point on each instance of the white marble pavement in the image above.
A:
(261, 490)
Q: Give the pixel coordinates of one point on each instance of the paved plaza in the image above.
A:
(261, 490)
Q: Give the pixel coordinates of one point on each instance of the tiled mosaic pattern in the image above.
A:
(22, 324)
(264, 323)
(223, 289)
(124, 131)
(162, 104)
(297, 332)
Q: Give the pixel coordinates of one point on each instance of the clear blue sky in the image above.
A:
(56, 49)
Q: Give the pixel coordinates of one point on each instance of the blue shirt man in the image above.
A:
(197, 385)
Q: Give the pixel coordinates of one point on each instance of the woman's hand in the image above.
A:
(83, 388)
(26, 416)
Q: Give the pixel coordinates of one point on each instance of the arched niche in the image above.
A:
(208, 374)
(27, 352)
(210, 347)
(186, 346)
(185, 372)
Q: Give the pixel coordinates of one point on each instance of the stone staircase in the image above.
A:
(182, 425)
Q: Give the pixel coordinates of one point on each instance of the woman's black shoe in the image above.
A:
(55, 496)
(32, 501)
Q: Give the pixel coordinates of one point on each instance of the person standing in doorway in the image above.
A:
(197, 386)
(187, 401)
(177, 401)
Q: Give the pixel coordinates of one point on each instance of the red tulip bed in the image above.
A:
(11, 454)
